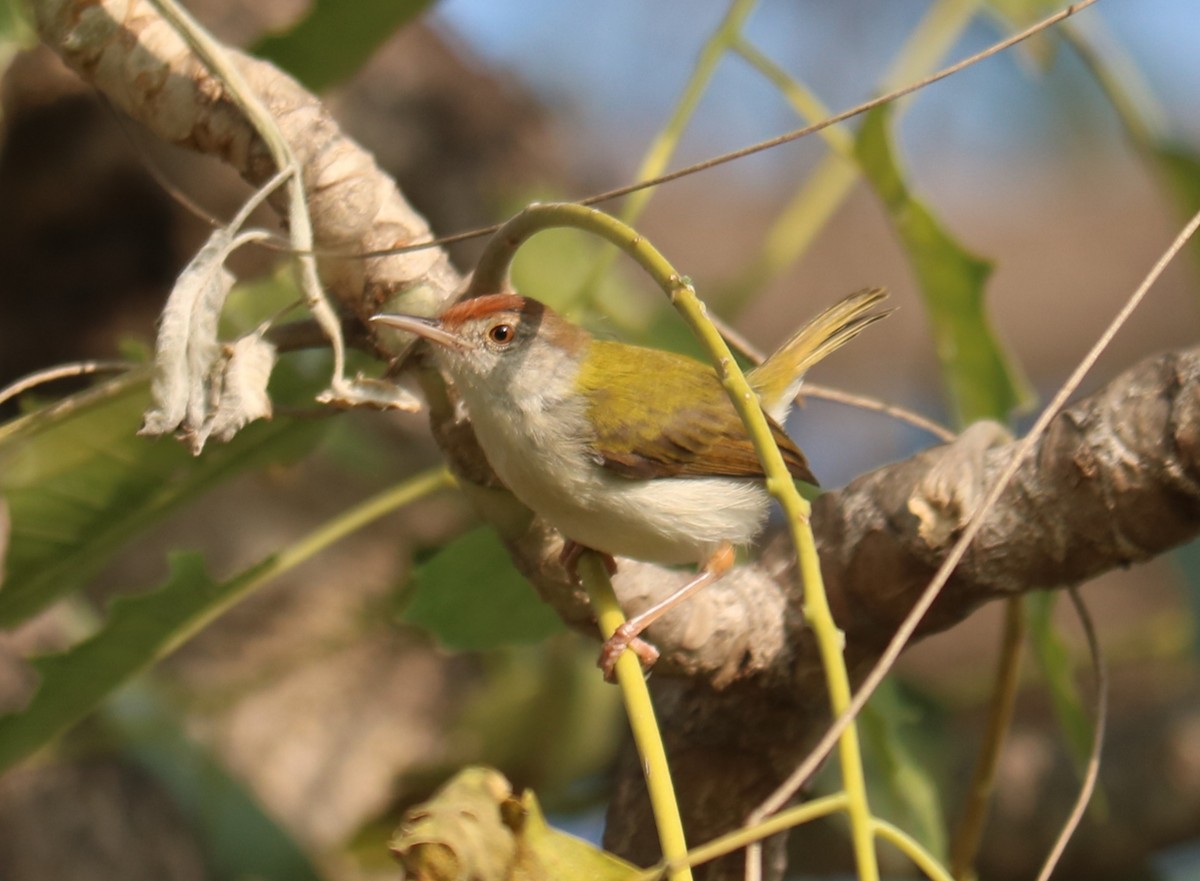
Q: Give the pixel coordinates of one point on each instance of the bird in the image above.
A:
(627, 450)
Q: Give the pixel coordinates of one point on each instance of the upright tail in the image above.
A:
(777, 380)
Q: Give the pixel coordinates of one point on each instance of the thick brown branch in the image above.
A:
(126, 51)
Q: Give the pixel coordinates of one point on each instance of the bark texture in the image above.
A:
(739, 688)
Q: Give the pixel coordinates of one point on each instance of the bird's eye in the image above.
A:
(501, 333)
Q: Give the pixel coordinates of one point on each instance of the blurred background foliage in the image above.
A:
(313, 633)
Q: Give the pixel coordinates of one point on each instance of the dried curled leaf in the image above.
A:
(203, 388)
(187, 347)
(475, 829)
(245, 368)
(460, 833)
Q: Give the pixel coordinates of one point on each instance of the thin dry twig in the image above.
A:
(770, 143)
(1092, 770)
(62, 371)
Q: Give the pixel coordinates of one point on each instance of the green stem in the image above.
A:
(969, 833)
(1121, 81)
(490, 275)
(747, 835)
(830, 640)
(912, 848)
(826, 188)
(328, 533)
(932, 38)
(667, 140)
(640, 710)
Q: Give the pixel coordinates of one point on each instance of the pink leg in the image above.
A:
(569, 558)
(626, 636)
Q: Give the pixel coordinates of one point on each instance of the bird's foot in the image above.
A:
(625, 637)
(573, 550)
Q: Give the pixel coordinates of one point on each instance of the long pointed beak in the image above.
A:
(429, 328)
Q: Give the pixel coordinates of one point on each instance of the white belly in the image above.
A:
(668, 520)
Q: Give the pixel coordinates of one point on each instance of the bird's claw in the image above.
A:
(615, 646)
(573, 550)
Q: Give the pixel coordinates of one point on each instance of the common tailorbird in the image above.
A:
(630, 451)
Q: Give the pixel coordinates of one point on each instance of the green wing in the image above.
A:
(642, 432)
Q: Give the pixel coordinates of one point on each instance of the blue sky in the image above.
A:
(616, 68)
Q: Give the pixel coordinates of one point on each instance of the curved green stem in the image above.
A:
(328, 533)
(912, 849)
(747, 835)
(830, 640)
(640, 710)
(491, 275)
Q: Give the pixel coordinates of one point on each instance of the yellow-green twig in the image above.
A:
(826, 188)
(969, 833)
(404, 493)
(490, 275)
(667, 140)
(640, 710)
(912, 848)
(747, 835)
(817, 613)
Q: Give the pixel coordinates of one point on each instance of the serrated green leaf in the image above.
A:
(140, 630)
(143, 628)
(469, 596)
(239, 838)
(980, 381)
(80, 483)
(335, 39)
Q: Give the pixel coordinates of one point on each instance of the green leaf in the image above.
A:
(1182, 169)
(469, 596)
(336, 38)
(5, 526)
(80, 483)
(1054, 661)
(1179, 169)
(140, 630)
(240, 840)
(895, 745)
(144, 628)
(980, 381)
(16, 31)
(1187, 559)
